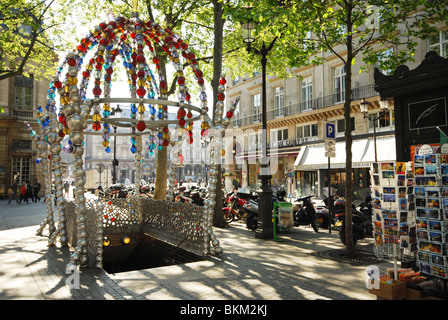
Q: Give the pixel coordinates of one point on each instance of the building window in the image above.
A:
(236, 117)
(254, 141)
(279, 101)
(21, 169)
(307, 93)
(282, 134)
(439, 43)
(23, 96)
(307, 131)
(256, 108)
(340, 125)
(339, 84)
(279, 135)
(387, 120)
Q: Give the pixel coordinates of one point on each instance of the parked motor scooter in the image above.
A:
(361, 218)
(304, 214)
(251, 207)
(196, 198)
(250, 213)
(118, 190)
(323, 214)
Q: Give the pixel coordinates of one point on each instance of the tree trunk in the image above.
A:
(348, 140)
(348, 165)
(161, 174)
(162, 155)
(218, 218)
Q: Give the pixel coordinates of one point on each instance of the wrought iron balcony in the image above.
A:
(366, 91)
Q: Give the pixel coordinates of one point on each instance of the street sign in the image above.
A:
(330, 132)
(330, 148)
(330, 140)
(100, 168)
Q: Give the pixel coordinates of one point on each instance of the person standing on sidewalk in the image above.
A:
(29, 191)
(66, 188)
(36, 189)
(23, 193)
(13, 192)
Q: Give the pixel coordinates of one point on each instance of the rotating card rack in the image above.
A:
(431, 201)
(393, 219)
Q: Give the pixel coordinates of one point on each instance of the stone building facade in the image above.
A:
(298, 108)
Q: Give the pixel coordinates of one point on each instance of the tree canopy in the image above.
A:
(24, 44)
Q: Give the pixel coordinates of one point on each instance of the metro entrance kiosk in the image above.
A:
(420, 104)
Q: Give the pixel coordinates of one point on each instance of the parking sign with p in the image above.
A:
(330, 131)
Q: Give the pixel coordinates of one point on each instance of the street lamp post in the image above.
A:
(114, 164)
(265, 225)
(384, 108)
(116, 113)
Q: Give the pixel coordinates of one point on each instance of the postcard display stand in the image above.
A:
(394, 211)
(431, 202)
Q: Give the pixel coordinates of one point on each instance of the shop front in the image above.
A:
(282, 164)
(311, 166)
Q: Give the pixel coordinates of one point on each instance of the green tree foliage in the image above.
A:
(24, 44)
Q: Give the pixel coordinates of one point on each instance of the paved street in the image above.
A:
(250, 269)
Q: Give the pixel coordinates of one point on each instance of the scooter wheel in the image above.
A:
(252, 222)
(315, 225)
(342, 236)
(228, 216)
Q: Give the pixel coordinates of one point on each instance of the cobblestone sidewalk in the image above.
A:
(249, 269)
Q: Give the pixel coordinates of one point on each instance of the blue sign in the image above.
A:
(330, 132)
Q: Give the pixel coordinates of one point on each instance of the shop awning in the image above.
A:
(385, 147)
(312, 157)
(276, 153)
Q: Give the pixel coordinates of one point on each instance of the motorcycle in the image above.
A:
(361, 218)
(235, 203)
(115, 191)
(194, 196)
(146, 190)
(183, 195)
(305, 214)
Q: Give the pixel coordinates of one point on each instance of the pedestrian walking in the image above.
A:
(29, 191)
(66, 188)
(36, 189)
(23, 193)
(13, 194)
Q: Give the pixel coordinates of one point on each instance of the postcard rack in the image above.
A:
(393, 219)
(431, 202)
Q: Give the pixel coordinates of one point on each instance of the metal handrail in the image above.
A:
(330, 100)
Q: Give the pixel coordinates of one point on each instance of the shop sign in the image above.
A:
(444, 148)
(425, 149)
